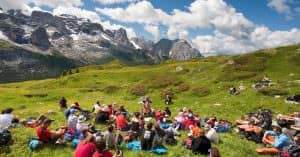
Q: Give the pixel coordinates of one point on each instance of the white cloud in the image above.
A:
(108, 2)
(282, 7)
(153, 30)
(260, 38)
(24, 4)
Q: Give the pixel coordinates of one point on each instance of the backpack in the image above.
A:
(170, 139)
(5, 137)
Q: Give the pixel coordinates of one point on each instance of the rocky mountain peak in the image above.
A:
(39, 38)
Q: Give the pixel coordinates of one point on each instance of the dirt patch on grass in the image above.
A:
(110, 89)
(32, 95)
(272, 91)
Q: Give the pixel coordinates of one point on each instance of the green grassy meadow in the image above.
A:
(201, 84)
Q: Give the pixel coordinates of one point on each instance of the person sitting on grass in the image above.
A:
(110, 137)
(211, 134)
(167, 112)
(168, 99)
(201, 144)
(63, 103)
(73, 119)
(86, 147)
(101, 150)
(47, 136)
(276, 139)
(7, 118)
(233, 91)
(81, 126)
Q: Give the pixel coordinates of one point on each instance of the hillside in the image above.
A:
(197, 84)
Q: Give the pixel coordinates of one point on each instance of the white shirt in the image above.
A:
(97, 108)
(213, 136)
(297, 122)
(81, 127)
(6, 120)
(72, 121)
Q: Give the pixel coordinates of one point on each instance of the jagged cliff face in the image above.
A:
(85, 42)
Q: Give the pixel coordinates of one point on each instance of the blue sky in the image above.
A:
(212, 26)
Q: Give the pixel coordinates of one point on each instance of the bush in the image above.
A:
(162, 81)
(138, 90)
(249, 62)
(41, 95)
(272, 91)
(84, 90)
(200, 91)
(183, 87)
(165, 92)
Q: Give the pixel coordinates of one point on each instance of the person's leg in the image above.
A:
(267, 151)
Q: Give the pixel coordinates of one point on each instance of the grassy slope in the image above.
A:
(96, 83)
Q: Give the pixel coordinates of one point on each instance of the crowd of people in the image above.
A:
(152, 129)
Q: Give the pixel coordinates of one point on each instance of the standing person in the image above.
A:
(168, 100)
(63, 103)
(201, 144)
(121, 122)
(96, 107)
(147, 137)
(159, 136)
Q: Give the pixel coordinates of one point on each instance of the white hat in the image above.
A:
(81, 119)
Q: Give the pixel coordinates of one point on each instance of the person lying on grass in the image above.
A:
(33, 123)
(47, 136)
(276, 139)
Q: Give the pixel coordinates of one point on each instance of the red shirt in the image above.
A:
(85, 150)
(43, 134)
(104, 153)
(121, 121)
(189, 122)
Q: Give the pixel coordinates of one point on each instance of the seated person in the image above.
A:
(63, 103)
(211, 134)
(102, 116)
(7, 118)
(276, 139)
(233, 91)
(86, 147)
(122, 110)
(101, 150)
(297, 123)
(201, 144)
(159, 136)
(189, 122)
(265, 81)
(96, 107)
(195, 130)
(47, 136)
(81, 126)
(73, 119)
(135, 123)
(167, 112)
(109, 137)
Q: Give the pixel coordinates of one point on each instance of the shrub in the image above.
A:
(165, 92)
(247, 62)
(271, 91)
(84, 90)
(183, 87)
(138, 90)
(200, 91)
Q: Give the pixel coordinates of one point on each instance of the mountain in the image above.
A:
(83, 41)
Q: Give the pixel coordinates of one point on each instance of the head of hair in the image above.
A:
(214, 152)
(149, 125)
(110, 128)
(202, 132)
(198, 124)
(7, 110)
(101, 145)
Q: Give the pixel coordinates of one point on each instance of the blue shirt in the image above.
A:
(281, 140)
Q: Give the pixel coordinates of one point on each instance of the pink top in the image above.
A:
(85, 150)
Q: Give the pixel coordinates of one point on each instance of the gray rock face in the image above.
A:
(91, 28)
(143, 44)
(41, 18)
(120, 36)
(39, 38)
(162, 48)
(182, 50)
